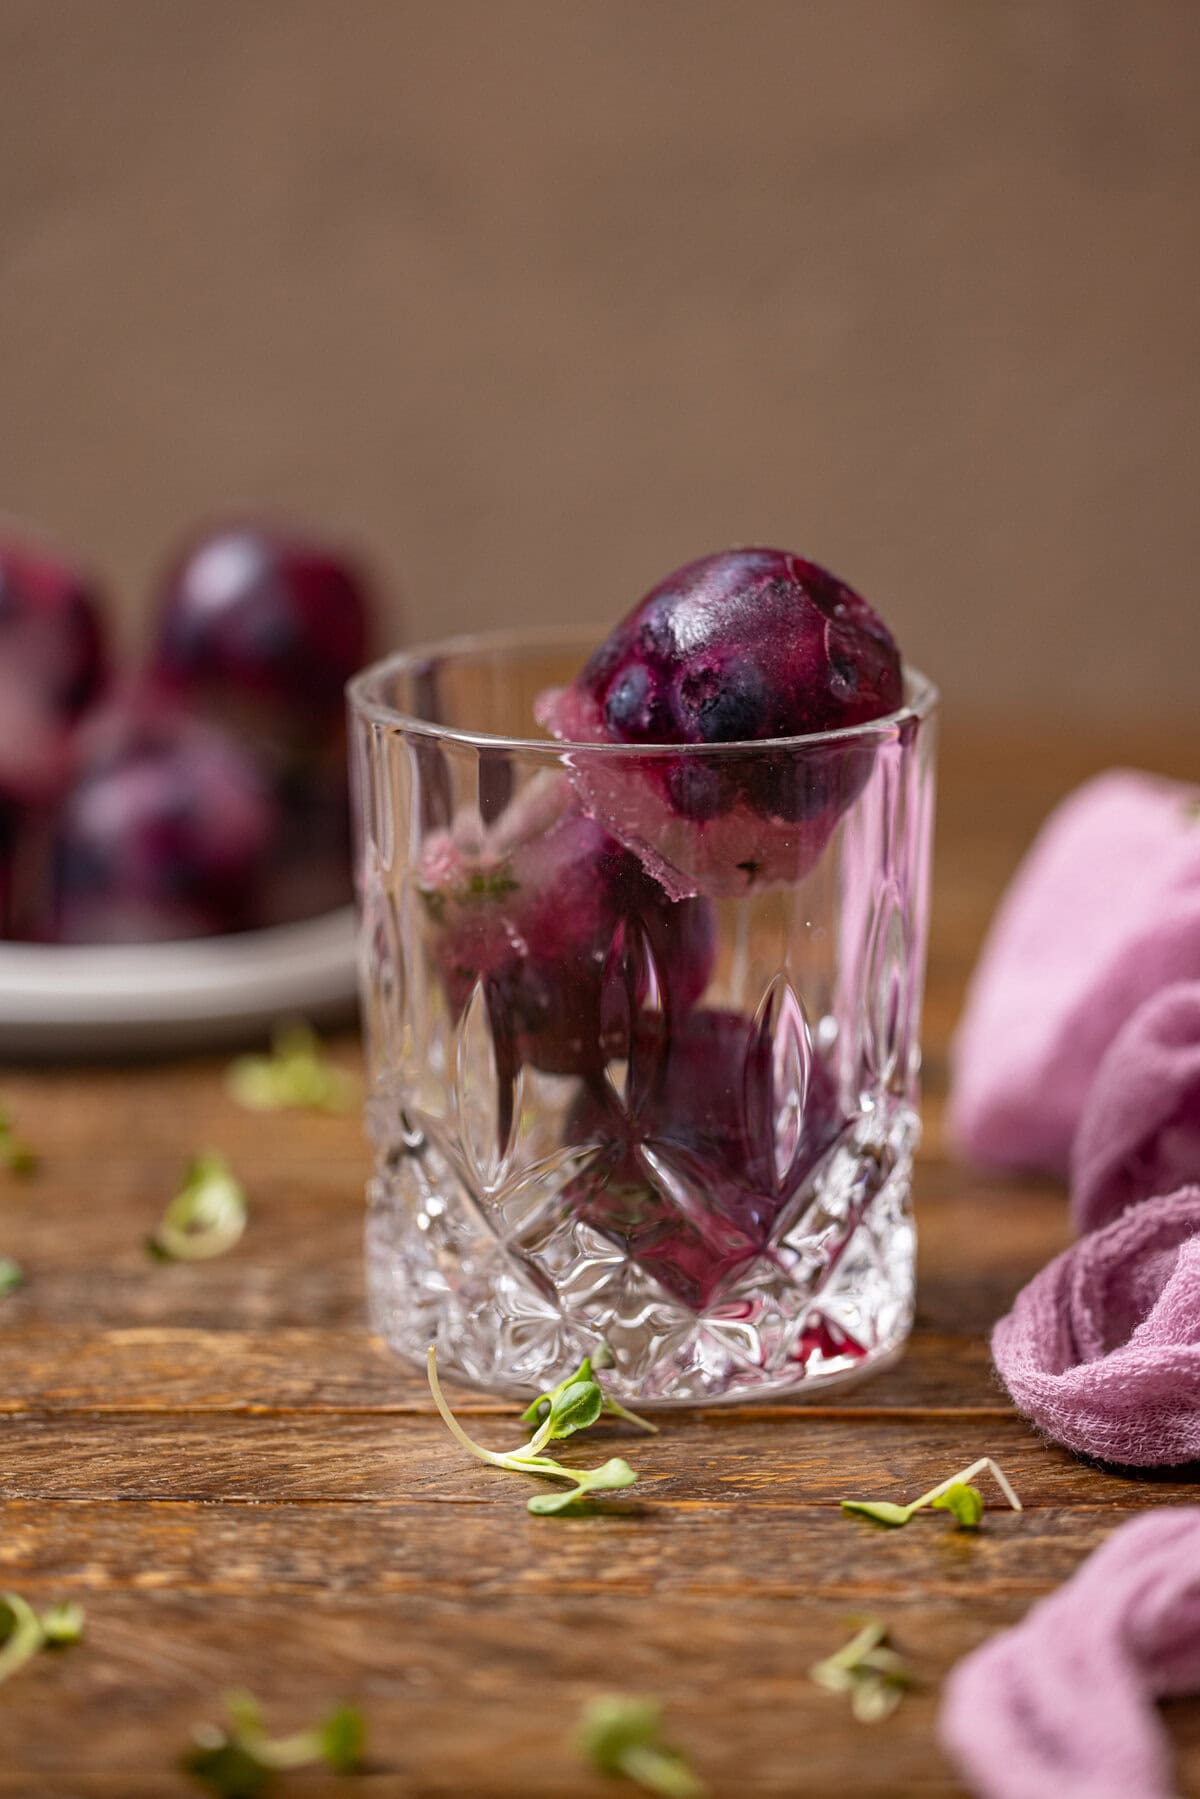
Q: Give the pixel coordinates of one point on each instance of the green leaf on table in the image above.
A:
(295, 1076)
(343, 1738)
(623, 1736)
(12, 1276)
(21, 1634)
(225, 1767)
(880, 1511)
(543, 1405)
(63, 1624)
(206, 1217)
(576, 1408)
(610, 1477)
(15, 1154)
(244, 1713)
(966, 1504)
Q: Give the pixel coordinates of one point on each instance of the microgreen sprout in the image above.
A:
(15, 1154)
(964, 1502)
(206, 1217)
(12, 1276)
(574, 1405)
(238, 1761)
(23, 1633)
(622, 1736)
(610, 1407)
(20, 1633)
(62, 1624)
(873, 1673)
(955, 1495)
(608, 1478)
(295, 1076)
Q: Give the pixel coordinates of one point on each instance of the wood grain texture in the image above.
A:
(244, 1488)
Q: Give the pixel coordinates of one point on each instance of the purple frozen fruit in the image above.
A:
(165, 833)
(687, 1173)
(266, 617)
(259, 629)
(50, 625)
(9, 825)
(742, 648)
(549, 913)
(53, 666)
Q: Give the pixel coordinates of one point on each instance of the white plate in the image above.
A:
(129, 998)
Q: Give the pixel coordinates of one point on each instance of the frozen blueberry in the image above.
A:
(631, 704)
(720, 701)
(736, 648)
(753, 643)
(267, 613)
(707, 1116)
(540, 919)
(700, 790)
(51, 628)
(167, 831)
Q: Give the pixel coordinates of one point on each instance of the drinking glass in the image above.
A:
(642, 1027)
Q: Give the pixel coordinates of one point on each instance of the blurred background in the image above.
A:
(538, 299)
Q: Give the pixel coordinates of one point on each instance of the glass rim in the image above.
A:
(365, 701)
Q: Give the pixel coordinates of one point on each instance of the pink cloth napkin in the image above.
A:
(1061, 1707)
(1102, 1348)
(1103, 913)
(1140, 1129)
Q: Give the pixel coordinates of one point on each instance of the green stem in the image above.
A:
(619, 1411)
(517, 1461)
(451, 1422)
(282, 1753)
(985, 1464)
(850, 1654)
(540, 1437)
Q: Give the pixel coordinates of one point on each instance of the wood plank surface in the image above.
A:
(243, 1487)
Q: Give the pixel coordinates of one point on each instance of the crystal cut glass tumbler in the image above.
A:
(642, 1025)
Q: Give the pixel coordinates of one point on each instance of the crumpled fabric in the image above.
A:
(1140, 1129)
(1102, 1348)
(1103, 913)
(1061, 1706)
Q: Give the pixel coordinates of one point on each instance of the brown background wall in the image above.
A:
(541, 298)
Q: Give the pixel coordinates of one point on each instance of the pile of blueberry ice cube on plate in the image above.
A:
(202, 790)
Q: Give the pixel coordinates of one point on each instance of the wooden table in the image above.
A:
(244, 1489)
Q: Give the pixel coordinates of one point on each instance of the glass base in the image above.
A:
(514, 1286)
